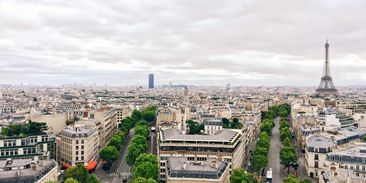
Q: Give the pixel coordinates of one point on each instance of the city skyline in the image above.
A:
(120, 43)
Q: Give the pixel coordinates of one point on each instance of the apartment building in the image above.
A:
(225, 145)
(78, 144)
(28, 171)
(211, 126)
(348, 165)
(315, 154)
(330, 119)
(34, 146)
(108, 118)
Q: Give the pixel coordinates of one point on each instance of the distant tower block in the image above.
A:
(151, 81)
(326, 87)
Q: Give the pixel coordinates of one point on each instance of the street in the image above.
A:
(278, 171)
(120, 168)
(152, 148)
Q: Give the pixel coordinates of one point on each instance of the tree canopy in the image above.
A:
(240, 176)
(109, 154)
(30, 128)
(80, 174)
(146, 166)
(194, 127)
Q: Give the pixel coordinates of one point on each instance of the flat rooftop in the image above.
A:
(319, 142)
(38, 168)
(182, 164)
(173, 134)
(359, 151)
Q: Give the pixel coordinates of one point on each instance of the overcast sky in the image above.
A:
(199, 42)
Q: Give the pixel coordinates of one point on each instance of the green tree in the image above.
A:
(270, 114)
(266, 127)
(240, 176)
(142, 130)
(134, 150)
(146, 165)
(5, 131)
(194, 127)
(143, 180)
(305, 181)
(287, 142)
(225, 123)
(363, 138)
(285, 133)
(126, 124)
(139, 139)
(283, 112)
(287, 156)
(260, 151)
(51, 181)
(79, 173)
(136, 115)
(291, 179)
(264, 143)
(92, 179)
(259, 162)
(149, 116)
(71, 180)
(116, 141)
(284, 124)
(143, 123)
(109, 153)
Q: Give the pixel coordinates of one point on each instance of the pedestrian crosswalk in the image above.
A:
(119, 174)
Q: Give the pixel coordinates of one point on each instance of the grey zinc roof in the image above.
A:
(359, 151)
(319, 142)
(173, 134)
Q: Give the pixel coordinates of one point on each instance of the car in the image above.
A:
(124, 179)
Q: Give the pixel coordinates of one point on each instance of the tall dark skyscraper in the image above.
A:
(151, 81)
(326, 86)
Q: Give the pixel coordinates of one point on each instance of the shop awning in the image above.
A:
(91, 165)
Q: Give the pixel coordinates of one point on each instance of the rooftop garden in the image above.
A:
(23, 130)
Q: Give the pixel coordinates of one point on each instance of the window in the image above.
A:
(82, 147)
(77, 152)
(77, 158)
(82, 158)
(190, 158)
(316, 165)
(77, 141)
(82, 152)
(77, 147)
(316, 157)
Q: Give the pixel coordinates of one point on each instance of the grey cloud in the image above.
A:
(184, 41)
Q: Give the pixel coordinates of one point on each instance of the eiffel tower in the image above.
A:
(326, 86)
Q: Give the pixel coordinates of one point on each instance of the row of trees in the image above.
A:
(110, 152)
(260, 153)
(288, 155)
(30, 128)
(138, 144)
(235, 124)
(146, 169)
